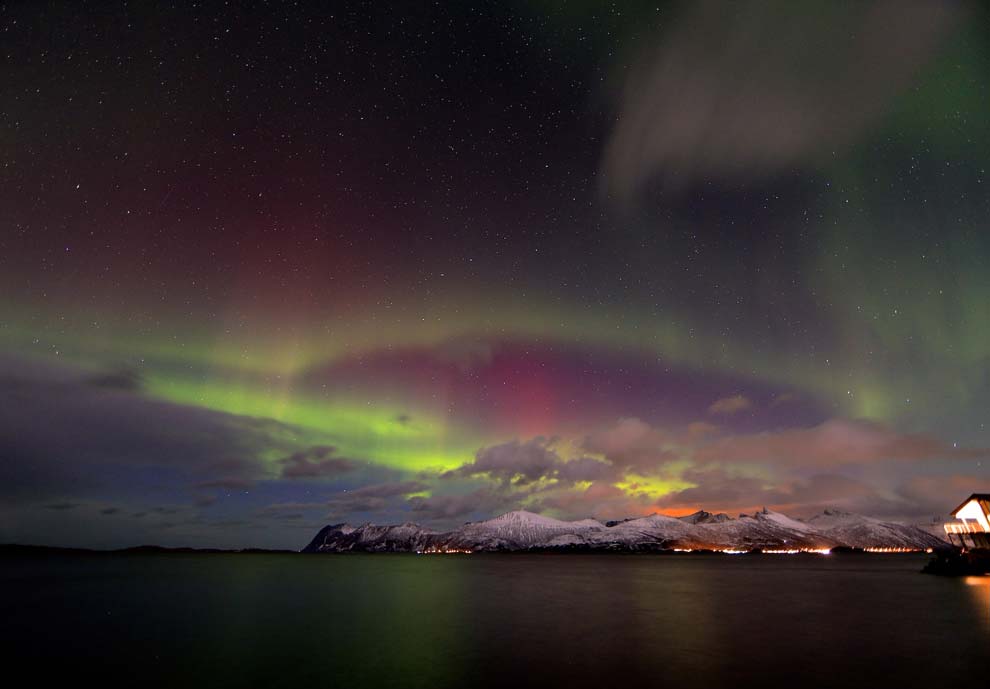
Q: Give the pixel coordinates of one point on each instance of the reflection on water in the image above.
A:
(493, 621)
(979, 587)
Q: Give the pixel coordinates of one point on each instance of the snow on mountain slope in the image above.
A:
(521, 530)
(702, 517)
(783, 521)
(371, 538)
(934, 528)
(590, 523)
(857, 531)
(657, 530)
(764, 530)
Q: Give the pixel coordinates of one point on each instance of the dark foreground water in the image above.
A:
(493, 621)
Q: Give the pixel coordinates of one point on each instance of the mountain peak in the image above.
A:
(703, 517)
(523, 516)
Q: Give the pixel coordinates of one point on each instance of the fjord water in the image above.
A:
(492, 620)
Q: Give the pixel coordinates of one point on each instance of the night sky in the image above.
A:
(267, 266)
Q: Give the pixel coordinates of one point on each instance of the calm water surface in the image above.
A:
(493, 620)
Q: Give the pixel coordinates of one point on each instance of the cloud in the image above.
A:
(833, 443)
(601, 500)
(700, 429)
(725, 94)
(373, 498)
(109, 510)
(64, 434)
(205, 500)
(936, 495)
(721, 490)
(632, 444)
(513, 462)
(481, 501)
(730, 405)
(520, 463)
(280, 508)
(315, 461)
(61, 506)
(226, 484)
(123, 379)
(783, 398)
(586, 469)
(727, 471)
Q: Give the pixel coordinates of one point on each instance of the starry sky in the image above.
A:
(267, 266)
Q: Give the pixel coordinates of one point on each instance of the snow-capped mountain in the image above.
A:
(765, 530)
(521, 530)
(399, 538)
(702, 517)
(858, 531)
(656, 531)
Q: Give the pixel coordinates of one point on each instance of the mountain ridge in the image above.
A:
(521, 530)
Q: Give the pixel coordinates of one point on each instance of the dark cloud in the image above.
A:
(730, 405)
(283, 510)
(124, 379)
(61, 432)
(726, 491)
(387, 490)
(586, 469)
(513, 462)
(519, 463)
(729, 472)
(719, 490)
(205, 500)
(62, 506)
(226, 484)
(783, 398)
(700, 429)
(833, 443)
(444, 507)
(726, 94)
(315, 461)
(936, 495)
(372, 498)
(601, 500)
(633, 444)
(110, 510)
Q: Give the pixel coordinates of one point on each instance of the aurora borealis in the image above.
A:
(268, 267)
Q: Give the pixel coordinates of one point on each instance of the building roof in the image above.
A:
(982, 498)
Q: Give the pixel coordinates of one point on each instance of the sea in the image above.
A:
(491, 620)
